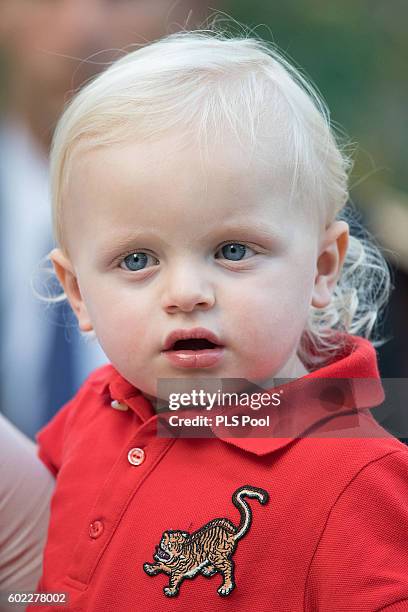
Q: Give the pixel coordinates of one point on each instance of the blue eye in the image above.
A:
(234, 251)
(135, 261)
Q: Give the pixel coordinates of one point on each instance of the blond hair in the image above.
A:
(201, 82)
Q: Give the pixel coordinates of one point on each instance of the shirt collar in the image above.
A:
(324, 401)
(109, 383)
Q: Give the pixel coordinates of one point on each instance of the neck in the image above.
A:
(293, 368)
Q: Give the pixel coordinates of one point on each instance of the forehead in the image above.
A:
(170, 186)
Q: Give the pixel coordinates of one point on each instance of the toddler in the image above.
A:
(197, 198)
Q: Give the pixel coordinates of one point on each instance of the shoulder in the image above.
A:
(88, 397)
(346, 447)
(76, 414)
(361, 556)
(383, 479)
(377, 485)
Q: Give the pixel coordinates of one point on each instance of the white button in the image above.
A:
(119, 406)
(136, 456)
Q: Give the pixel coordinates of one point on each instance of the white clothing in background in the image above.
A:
(25, 325)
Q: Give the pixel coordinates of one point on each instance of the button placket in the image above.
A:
(125, 480)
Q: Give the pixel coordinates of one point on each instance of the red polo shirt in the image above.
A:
(327, 532)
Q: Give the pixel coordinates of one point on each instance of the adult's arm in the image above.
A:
(26, 487)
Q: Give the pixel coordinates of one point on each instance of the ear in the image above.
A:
(329, 263)
(66, 275)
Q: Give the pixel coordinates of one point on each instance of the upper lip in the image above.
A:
(186, 334)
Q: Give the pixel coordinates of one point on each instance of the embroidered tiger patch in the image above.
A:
(208, 550)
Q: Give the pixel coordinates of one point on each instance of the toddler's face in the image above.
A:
(161, 241)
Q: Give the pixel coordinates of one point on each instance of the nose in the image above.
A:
(186, 289)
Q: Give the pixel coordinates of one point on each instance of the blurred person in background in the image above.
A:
(26, 487)
(50, 49)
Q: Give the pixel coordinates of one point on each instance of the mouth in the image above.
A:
(193, 344)
(161, 554)
(194, 348)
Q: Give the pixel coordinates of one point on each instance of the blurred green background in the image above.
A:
(356, 53)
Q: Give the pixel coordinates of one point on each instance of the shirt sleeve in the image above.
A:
(361, 561)
(51, 438)
(26, 487)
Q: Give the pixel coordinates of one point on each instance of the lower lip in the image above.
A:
(195, 359)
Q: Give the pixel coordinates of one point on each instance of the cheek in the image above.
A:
(271, 312)
(120, 321)
(110, 334)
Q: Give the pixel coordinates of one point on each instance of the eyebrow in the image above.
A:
(233, 230)
(259, 228)
(127, 239)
